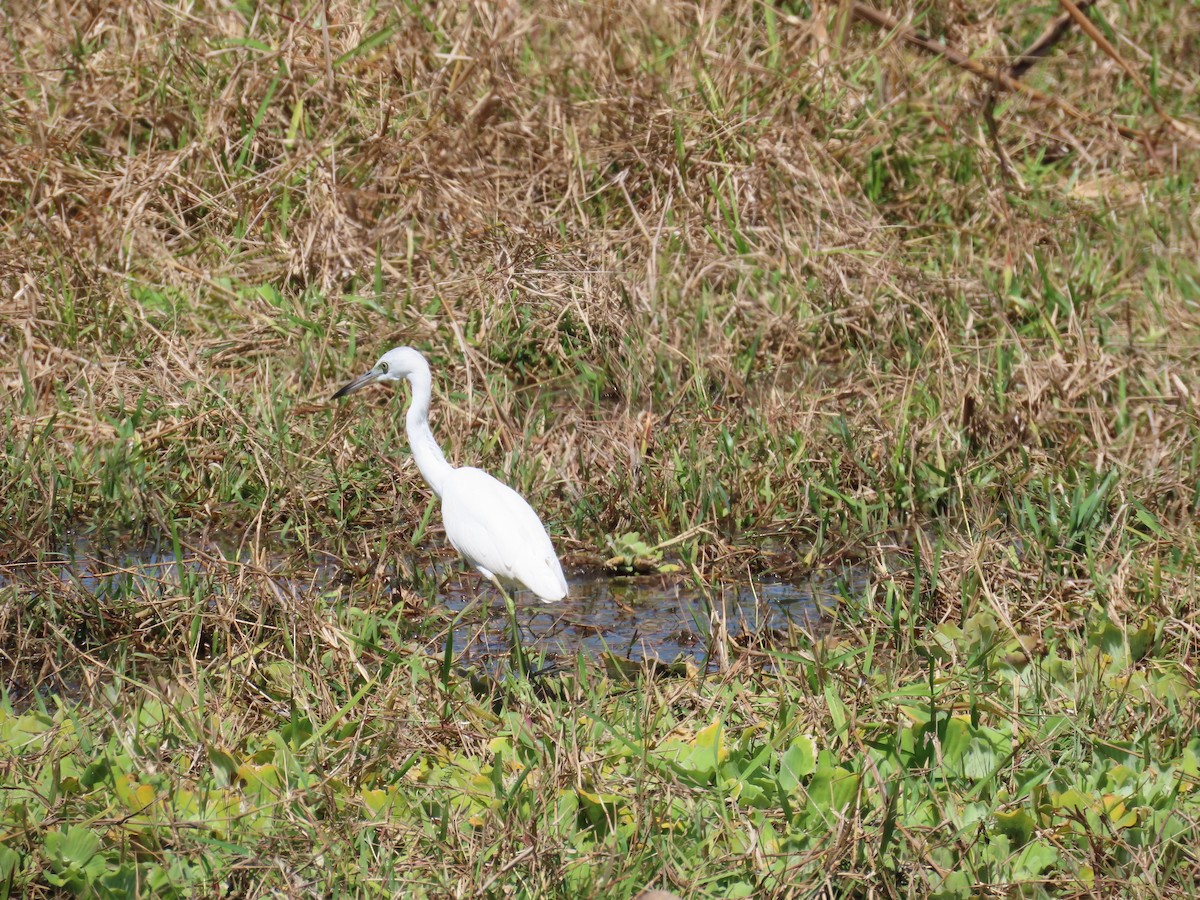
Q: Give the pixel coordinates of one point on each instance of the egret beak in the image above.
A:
(358, 383)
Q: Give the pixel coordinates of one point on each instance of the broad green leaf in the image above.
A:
(1141, 640)
(1017, 824)
(1034, 859)
(708, 748)
(10, 860)
(224, 766)
(1072, 800)
(379, 803)
(76, 845)
(798, 761)
(137, 797)
(261, 782)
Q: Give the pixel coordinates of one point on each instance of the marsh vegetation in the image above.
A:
(738, 293)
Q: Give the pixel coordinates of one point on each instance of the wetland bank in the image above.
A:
(747, 297)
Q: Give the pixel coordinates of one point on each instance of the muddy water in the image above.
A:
(646, 618)
(641, 618)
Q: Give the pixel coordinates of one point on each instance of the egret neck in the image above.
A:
(425, 450)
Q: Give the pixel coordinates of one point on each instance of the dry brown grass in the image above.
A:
(545, 194)
(677, 275)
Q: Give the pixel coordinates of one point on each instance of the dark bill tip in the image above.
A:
(357, 384)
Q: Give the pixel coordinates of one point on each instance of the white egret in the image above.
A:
(488, 522)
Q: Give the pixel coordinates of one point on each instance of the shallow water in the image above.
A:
(647, 617)
(663, 618)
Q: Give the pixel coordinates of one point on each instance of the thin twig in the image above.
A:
(1001, 79)
(989, 118)
(1089, 28)
(1045, 41)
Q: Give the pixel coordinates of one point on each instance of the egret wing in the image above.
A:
(499, 533)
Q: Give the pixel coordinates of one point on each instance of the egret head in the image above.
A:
(396, 364)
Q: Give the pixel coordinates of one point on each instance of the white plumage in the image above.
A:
(488, 522)
(498, 533)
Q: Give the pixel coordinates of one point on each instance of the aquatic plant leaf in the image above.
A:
(123, 881)
(23, 734)
(378, 803)
(262, 782)
(956, 884)
(600, 810)
(1189, 765)
(1016, 824)
(136, 796)
(10, 863)
(984, 751)
(832, 789)
(798, 762)
(979, 631)
(708, 748)
(72, 850)
(224, 766)
(1072, 800)
(1033, 860)
(1141, 640)
(1118, 814)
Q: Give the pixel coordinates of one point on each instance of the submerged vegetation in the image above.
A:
(727, 291)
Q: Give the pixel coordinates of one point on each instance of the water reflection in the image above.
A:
(647, 618)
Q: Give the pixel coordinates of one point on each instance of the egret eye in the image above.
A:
(383, 368)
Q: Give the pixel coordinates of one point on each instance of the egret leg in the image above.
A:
(516, 648)
(514, 633)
